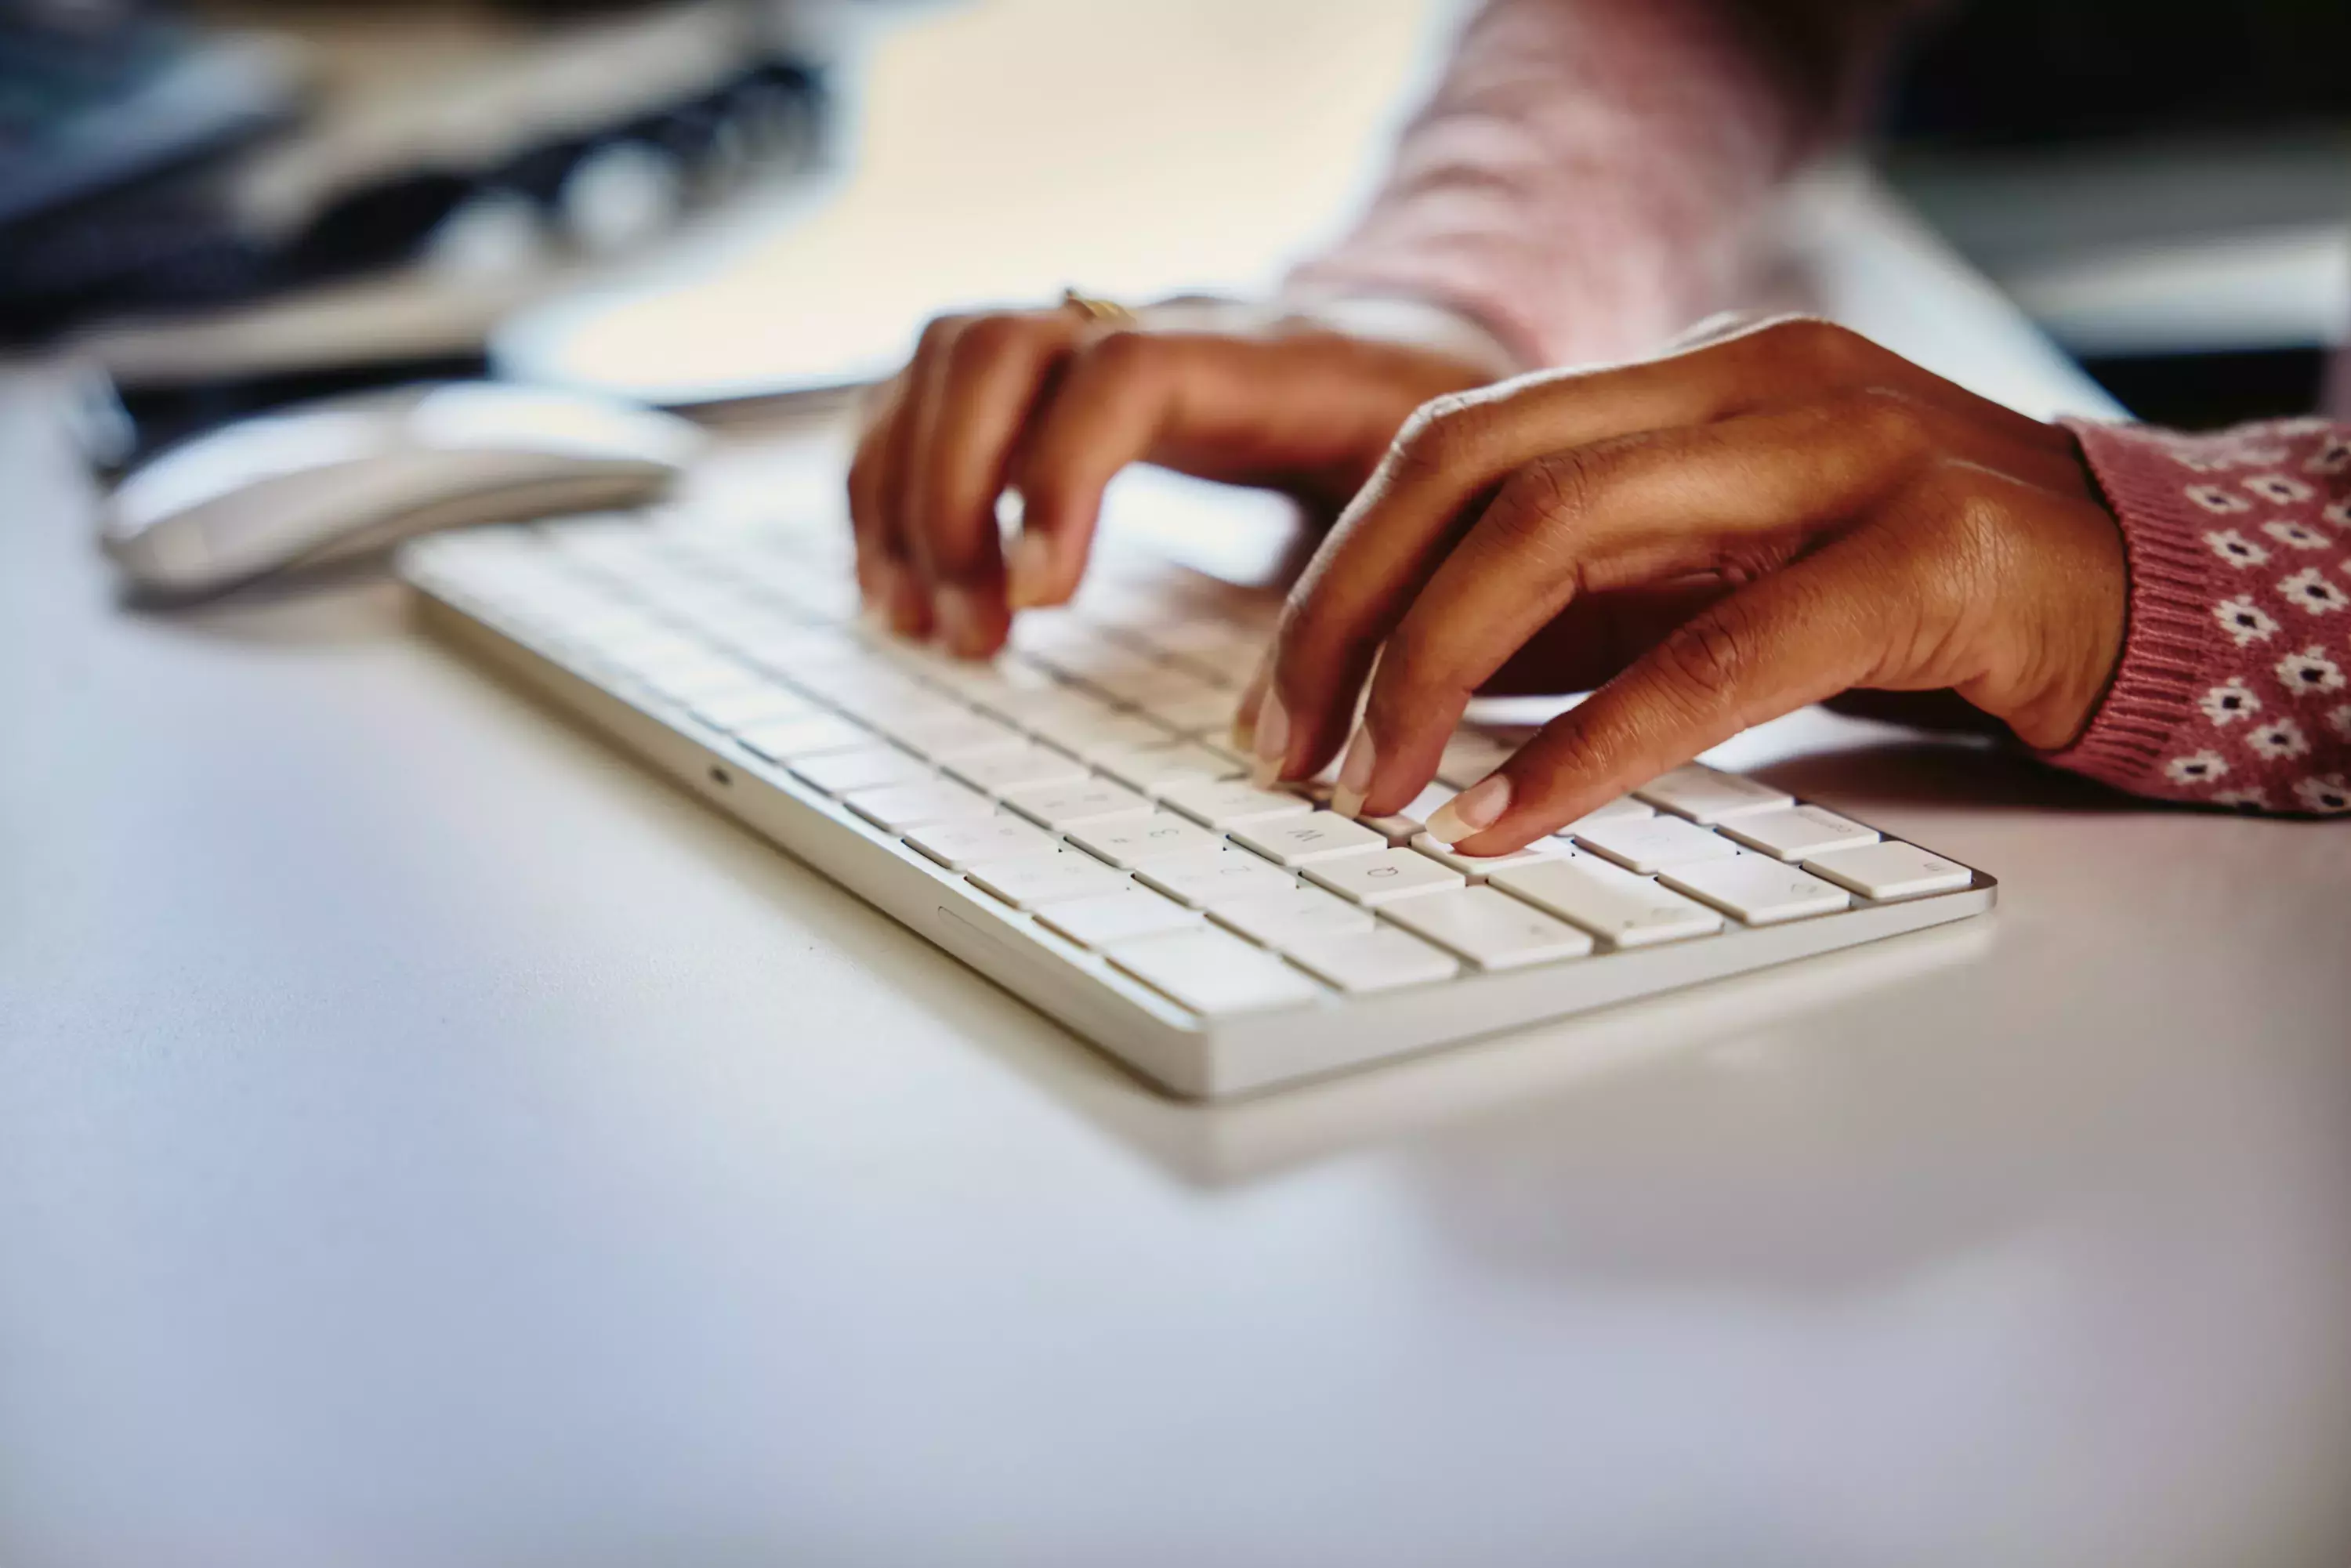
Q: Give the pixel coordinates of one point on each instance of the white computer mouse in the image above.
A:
(350, 474)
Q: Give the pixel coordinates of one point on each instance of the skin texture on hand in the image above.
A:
(1706, 541)
(1053, 404)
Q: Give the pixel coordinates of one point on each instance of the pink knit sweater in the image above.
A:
(1581, 186)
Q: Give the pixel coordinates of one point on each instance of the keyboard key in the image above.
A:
(959, 846)
(1207, 878)
(1151, 768)
(1608, 901)
(794, 652)
(1292, 915)
(1757, 889)
(1890, 869)
(676, 666)
(869, 684)
(1652, 843)
(1208, 710)
(959, 734)
(1065, 806)
(1231, 805)
(1120, 742)
(1622, 808)
(918, 710)
(1381, 959)
(868, 767)
(1006, 680)
(1024, 704)
(1704, 795)
(1377, 877)
(1476, 869)
(1798, 832)
(1017, 767)
(1490, 929)
(1302, 841)
(1215, 974)
(899, 806)
(1398, 830)
(1146, 683)
(1129, 842)
(1062, 638)
(1469, 757)
(1059, 874)
(1079, 731)
(794, 738)
(740, 707)
(1115, 917)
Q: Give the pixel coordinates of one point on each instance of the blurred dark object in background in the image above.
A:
(2164, 184)
(2204, 391)
(606, 141)
(2035, 72)
(97, 93)
(2041, 71)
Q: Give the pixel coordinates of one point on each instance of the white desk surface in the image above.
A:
(424, 1138)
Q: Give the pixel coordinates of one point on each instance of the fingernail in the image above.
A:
(1272, 742)
(960, 626)
(1472, 811)
(1355, 775)
(1030, 573)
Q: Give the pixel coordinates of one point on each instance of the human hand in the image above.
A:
(1052, 404)
(1711, 540)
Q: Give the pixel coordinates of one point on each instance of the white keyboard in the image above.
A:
(1068, 821)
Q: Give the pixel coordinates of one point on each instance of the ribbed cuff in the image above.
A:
(2173, 641)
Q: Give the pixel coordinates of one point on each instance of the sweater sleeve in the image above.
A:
(2232, 689)
(1587, 177)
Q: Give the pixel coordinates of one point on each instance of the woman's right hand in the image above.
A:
(1054, 403)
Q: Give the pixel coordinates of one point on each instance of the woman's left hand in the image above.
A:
(1711, 540)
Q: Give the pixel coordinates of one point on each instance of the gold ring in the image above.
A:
(1103, 313)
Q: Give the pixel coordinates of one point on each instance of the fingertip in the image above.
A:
(968, 623)
(1472, 811)
(1356, 771)
(907, 606)
(1270, 741)
(1028, 571)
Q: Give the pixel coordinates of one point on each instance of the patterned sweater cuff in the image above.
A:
(2202, 707)
(2170, 647)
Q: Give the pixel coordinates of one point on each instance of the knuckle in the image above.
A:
(1709, 654)
(1888, 420)
(984, 340)
(1970, 525)
(1956, 510)
(1122, 353)
(1440, 435)
(1553, 492)
(1818, 348)
(938, 334)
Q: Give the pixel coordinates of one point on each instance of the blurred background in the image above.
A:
(226, 205)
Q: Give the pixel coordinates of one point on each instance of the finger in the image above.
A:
(1738, 498)
(921, 386)
(1108, 412)
(1456, 452)
(989, 380)
(1829, 623)
(884, 575)
(1451, 460)
(1592, 640)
